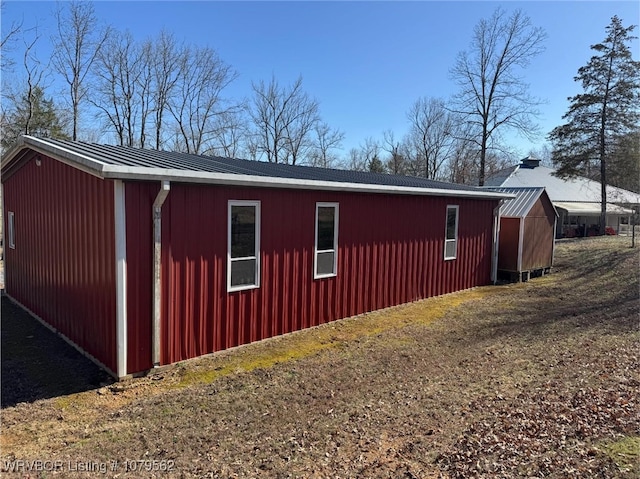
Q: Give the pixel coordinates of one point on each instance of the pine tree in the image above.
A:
(606, 111)
(34, 115)
(623, 166)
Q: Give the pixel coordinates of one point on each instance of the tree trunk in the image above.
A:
(483, 159)
(603, 163)
(603, 192)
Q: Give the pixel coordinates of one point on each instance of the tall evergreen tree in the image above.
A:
(606, 111)
(623, 166)
(33, 114)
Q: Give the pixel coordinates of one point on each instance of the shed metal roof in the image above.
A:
(524, 200)
(120, 162)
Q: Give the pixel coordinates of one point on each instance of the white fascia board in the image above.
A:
(82, 162)
(120, 172)
(186, 176)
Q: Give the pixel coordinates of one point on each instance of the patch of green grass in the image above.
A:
(625, 453)
(302, 344)
(255, 359)
(64, 402)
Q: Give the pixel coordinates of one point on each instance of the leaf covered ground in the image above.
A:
(538, 379)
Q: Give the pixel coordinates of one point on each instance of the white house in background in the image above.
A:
(577, 200)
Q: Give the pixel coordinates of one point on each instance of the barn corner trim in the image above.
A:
(121, 276)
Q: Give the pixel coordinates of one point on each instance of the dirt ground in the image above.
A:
(28, 369)
(538, 379)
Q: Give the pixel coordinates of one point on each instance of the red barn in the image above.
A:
(143, 258)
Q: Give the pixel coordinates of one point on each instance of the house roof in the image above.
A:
(579, 189)
(576, 208)
(525, 198)
(120, 162)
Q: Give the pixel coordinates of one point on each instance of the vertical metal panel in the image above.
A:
(509, 241)
(64, 237)
(536, 231)
(390, 252)
(139, 198)
(539, 235)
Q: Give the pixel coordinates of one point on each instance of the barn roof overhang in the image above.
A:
(92, 165)
(577, 208)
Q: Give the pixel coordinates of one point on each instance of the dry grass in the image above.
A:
(522, 380)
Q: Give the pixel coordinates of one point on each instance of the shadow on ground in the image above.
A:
(39, 364)
(595, 287)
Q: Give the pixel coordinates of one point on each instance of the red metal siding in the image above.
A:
(139, 198)
(391, 251)
(63, 266)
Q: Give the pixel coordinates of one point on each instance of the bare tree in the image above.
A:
(77, 42)
(432, 134)
(355, 160)
(371, 157)
(463, 165)
(118, 68)
(229, 133)
(33, 80)
(326, 140)
(166, 60)
(7, 41)
(197, 104)
(283, 119)
(28, 111)
(396, 163)
(542, 153)
(144, 90)
(492, 95)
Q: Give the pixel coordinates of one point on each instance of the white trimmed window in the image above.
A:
(451, 233)
(243, 258)
(325, 261)
(11, 229)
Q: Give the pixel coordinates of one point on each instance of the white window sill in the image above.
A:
(245, 287)
(323, 276)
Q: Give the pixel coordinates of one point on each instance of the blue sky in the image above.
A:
(365, 62)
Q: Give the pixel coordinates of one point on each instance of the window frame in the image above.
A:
(316, 251)
(230, 260)
(453, 240)
(11, 229)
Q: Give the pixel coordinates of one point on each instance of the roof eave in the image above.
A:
(9, 156)
(82, 162)
(104, 170)
(186, 176)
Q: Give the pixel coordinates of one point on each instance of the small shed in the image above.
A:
(526, 239)
(144, 258)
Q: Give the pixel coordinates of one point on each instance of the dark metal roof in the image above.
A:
(127, 156)
(120, 162)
